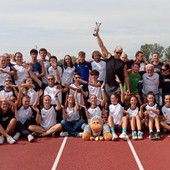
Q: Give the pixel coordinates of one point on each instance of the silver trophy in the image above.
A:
(96, 28)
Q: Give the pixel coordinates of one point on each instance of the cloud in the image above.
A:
(66, 27)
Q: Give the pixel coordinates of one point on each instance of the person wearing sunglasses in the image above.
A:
(52, 89)
(9, 89)
(114, 66)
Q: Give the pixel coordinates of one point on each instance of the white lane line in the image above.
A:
(135, 155)
(57, 159)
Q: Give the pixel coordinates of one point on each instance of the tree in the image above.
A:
(61, 61)
(149, 49)
(167, 53)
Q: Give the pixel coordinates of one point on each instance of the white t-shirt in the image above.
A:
(52, 71)
(73, 114)
(46, 66)
(3, 76)
(133, 112)
(101, 68)
(21, 73)
(79, 95)
(142, 66)
(51, 91)
(96, 91)
(154, 107)
(32, 94)
(116, 111)
(48, 117)
(24, 114)
(67, 76)
(166, 112)
(6, 94)
(95, 112)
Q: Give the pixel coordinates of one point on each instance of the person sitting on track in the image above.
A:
(133, 114)
(26, 115)
(150, 111)
(7, 121)
(47, 118)
(72, 120)
(165, 111)
(116, 119)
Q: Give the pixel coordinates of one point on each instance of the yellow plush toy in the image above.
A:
(96, 130)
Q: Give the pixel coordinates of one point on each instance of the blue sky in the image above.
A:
(66, 26)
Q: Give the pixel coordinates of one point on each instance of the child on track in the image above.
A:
(134, 118)
(151, 111)
(7, 122)
(165, 110)
(116, 119)
(72, 120)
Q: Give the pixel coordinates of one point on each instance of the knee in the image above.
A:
(30, 128)
(13, 121)
(63, 122)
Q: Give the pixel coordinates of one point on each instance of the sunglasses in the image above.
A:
(163, 69)
(119, 53)
(8, 80)
(50, 79)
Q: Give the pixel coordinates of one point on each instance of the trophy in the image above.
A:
(96, 28)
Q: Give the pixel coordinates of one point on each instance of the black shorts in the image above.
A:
(5, 123)
(109, 90)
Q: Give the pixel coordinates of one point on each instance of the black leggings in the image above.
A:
(23, 129)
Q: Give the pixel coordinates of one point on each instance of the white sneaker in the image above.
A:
(63, 134)
(16, 136)
(10, 140)
(123, 136)
(80, 134)
(2, 139)
(30, 138)
(114, 136)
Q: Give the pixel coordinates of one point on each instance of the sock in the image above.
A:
(158, 130)
(124, 130)
(112, 129)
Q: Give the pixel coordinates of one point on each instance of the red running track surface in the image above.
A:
(85, 155)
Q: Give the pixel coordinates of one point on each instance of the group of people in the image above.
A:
(39, 98)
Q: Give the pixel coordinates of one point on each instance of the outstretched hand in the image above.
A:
(117, 79)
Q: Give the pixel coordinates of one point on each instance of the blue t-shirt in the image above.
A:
(83, 69)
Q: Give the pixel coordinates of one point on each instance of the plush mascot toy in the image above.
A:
(96, 130)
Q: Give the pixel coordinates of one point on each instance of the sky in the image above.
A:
(66, 26)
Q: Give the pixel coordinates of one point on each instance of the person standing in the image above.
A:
(82, 66)
(114, 66)
(99, 65)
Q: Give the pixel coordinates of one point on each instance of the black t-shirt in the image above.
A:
(6, 116)
(165, 84)
(129, 64)
(114, 67)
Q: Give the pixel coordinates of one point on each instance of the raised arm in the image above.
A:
(105, 53)
(126, 75)
(76, 101)
(58, 104)
(64, 114)
(121, 89)
(86, 111)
